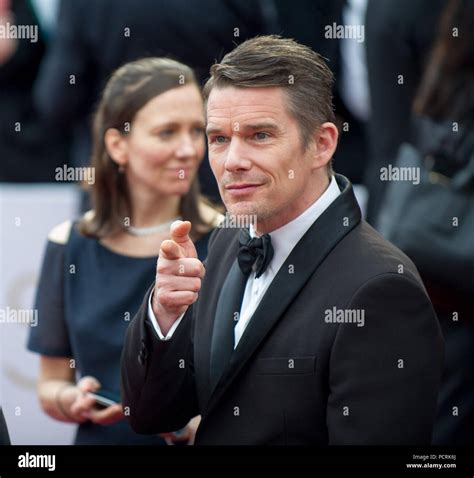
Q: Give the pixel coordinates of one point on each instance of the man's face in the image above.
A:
(257, 157)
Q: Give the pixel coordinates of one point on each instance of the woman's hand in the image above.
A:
(84, 405)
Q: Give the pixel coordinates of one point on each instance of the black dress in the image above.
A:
(85, 300)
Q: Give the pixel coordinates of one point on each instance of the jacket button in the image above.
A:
(142, 356)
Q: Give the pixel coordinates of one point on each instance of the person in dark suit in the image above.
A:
(307, 21)
(446, 98)
(306, 327)
(399, 37)
(4, 437)
(30, 150)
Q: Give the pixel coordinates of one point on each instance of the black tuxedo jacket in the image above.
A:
(299, 375)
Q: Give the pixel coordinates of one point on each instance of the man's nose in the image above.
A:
(236, 156)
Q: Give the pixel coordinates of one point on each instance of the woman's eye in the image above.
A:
(260, 136)
(166, 133)
(198, 131)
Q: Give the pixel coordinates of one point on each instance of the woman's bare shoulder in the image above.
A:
(60, 234)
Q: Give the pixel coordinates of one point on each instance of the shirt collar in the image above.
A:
(285, 238)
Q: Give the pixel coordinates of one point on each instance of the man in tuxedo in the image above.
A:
(306, 327)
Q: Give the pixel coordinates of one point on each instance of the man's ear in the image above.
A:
(117, 146)
(325, 144)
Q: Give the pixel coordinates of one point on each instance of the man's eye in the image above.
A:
(219, 139)
(261, 136)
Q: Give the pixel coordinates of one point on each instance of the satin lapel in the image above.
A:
(328, 230)
(217, 268)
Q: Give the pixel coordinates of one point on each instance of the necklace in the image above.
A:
(148, 231)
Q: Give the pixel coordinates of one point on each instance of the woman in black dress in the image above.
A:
(148, 144)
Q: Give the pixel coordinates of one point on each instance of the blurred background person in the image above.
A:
(441, 147)
(29, 149)
(148, 144)
(313, 23)
(399, 37)
(446, 98)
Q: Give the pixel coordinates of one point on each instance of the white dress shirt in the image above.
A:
(284, 239)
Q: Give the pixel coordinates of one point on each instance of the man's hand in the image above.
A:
(185, 436)
(178, 276)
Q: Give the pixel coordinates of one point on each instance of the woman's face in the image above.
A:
(166, 143)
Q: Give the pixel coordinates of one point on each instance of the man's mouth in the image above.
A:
(239, 189)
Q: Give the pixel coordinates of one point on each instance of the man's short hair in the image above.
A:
(270, 60)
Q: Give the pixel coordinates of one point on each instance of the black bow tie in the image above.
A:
(255, 253)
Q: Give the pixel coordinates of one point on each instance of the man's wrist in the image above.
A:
(160, 318)
(167, 331)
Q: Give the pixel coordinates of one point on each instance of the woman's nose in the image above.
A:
(187, 146)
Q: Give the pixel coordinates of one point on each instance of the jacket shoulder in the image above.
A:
(368, 254)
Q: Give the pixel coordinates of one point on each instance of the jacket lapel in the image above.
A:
(326, 232)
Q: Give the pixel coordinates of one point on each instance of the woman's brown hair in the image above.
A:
(128, 90)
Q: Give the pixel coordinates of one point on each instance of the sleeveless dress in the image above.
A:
(86, 298)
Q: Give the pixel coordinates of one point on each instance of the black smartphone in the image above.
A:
(105, 398)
